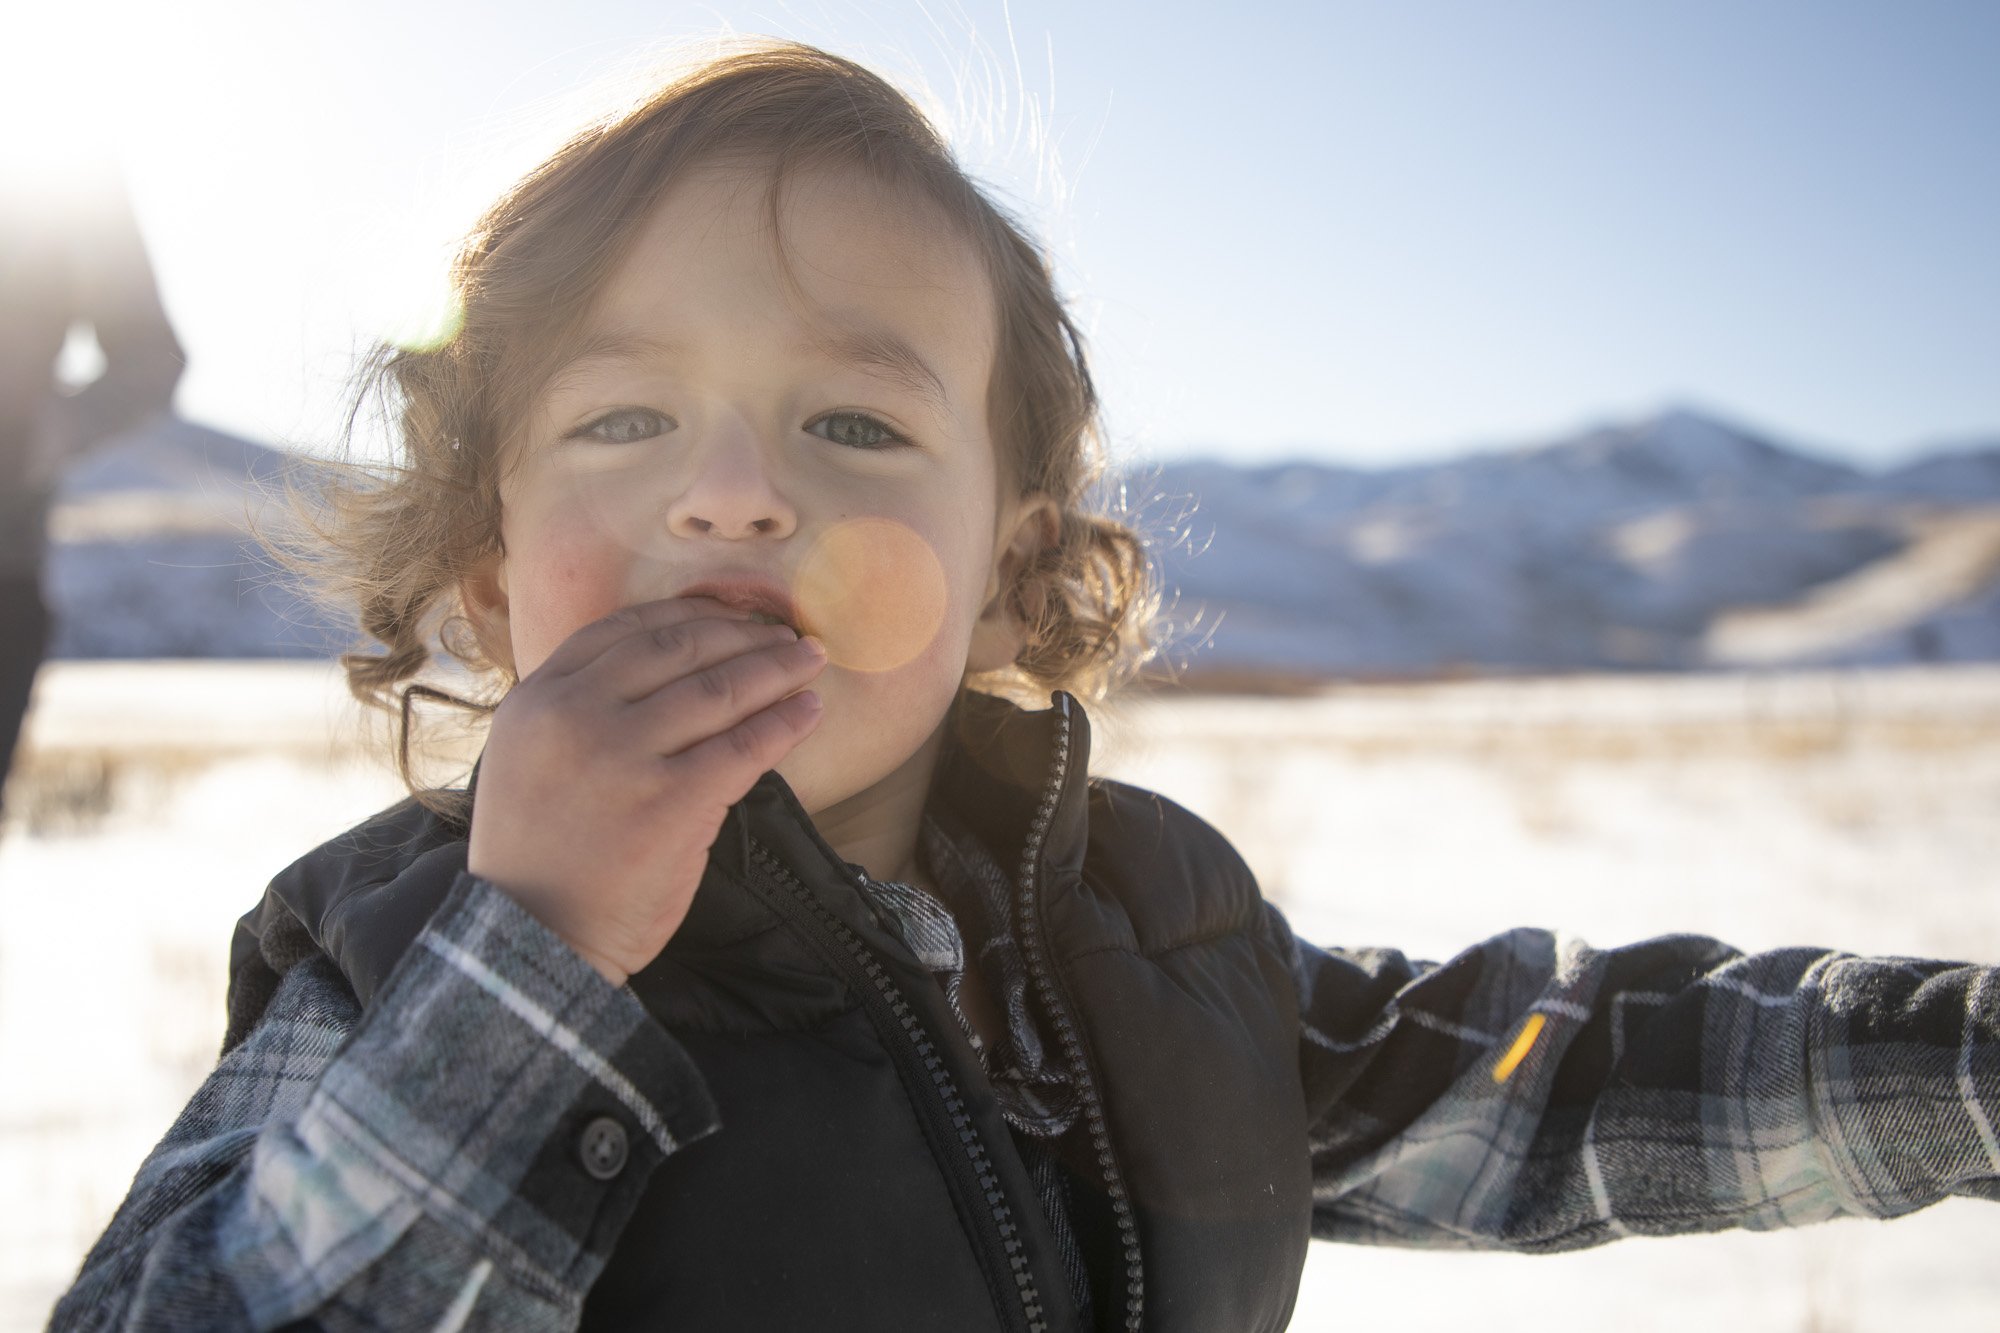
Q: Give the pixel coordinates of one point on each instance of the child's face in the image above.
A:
(713, 437)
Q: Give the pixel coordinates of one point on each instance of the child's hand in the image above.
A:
(611, 766)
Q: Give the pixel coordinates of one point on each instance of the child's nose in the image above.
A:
(731, 495)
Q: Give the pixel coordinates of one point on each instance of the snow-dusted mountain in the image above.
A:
(152, 552)
(1677, 542)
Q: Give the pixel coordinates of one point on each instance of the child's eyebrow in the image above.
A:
(611, 347)
(889, 357)
(880, 352)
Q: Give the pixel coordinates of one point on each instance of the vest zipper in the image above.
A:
(1049, 988)
(882, 997)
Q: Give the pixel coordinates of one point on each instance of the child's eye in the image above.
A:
(856, 430)
(627, 425)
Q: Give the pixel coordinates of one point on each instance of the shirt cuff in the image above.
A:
(499, 1081)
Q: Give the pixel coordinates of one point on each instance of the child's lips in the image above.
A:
(753, 593)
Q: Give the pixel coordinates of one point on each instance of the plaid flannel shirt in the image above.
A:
(443, 1160)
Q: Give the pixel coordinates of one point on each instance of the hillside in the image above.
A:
(1675, 543)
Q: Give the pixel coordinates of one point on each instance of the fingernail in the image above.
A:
(812, 646)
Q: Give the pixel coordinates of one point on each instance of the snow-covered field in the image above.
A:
(1860, 811)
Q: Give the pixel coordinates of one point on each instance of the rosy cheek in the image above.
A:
(561, 588)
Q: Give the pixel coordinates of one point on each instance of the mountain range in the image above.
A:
(1676, 542)
(1680, 541)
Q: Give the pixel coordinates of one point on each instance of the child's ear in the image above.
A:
(483, 593)
(1028, 527)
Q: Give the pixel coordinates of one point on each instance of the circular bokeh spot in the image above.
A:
(874, 592)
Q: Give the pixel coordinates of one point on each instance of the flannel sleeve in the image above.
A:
(1537, 1094)
(462, 1155)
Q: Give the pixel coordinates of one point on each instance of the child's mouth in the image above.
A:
(765, 600)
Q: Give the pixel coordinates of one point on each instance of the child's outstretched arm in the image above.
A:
(1537, 1094)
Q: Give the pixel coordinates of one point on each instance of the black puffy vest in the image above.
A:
(863, 1176)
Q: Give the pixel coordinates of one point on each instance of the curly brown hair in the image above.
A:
(391, 542)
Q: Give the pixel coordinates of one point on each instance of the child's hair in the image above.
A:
(391, 543)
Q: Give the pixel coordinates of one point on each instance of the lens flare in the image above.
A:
(427, 326)
(874, 591)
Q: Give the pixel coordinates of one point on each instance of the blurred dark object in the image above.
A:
(69, 259)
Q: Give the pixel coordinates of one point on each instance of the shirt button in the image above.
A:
(603, 1148)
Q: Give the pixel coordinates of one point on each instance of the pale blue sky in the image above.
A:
(1361, 232)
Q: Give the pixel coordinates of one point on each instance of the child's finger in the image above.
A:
(707, 703)
(644, 662)
(587, 644)
(729, 764)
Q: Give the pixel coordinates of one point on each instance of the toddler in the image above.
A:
(777, 968)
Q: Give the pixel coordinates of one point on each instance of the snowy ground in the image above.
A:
(1858, 811)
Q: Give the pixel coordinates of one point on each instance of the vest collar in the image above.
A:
(1019, 779)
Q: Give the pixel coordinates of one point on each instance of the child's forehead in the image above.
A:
(836, 263)
(825, 235)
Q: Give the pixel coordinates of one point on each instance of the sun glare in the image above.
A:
(122, 97)
(53, 141)
(229, 129)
